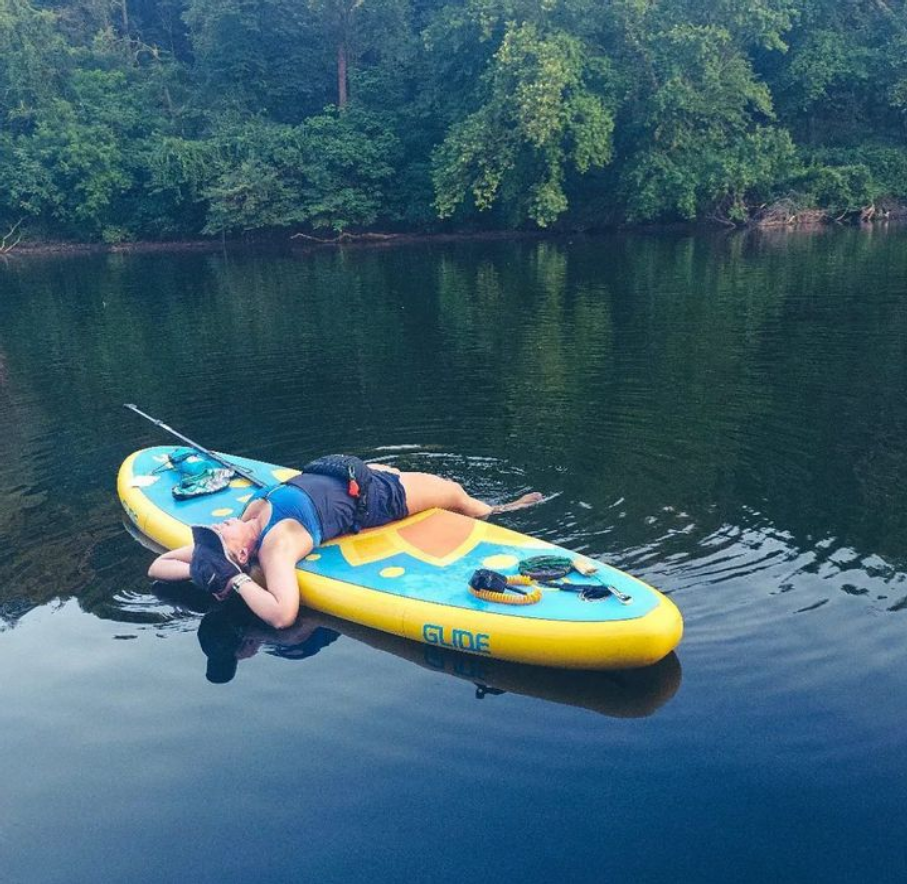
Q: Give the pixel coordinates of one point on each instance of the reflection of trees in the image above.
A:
(702, 373)
(23, 514)
(838, 379)
(619, 358)
(881, 475)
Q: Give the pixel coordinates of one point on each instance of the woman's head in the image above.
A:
(238, 539)
(220, 553)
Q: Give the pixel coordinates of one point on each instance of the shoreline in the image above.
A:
(291, 242)
(375, 239)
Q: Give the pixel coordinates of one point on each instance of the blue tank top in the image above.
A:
(320, 504)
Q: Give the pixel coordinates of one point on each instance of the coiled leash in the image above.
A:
(490, 586)
(550, 571)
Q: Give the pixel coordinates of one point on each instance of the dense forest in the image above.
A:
(174, 119)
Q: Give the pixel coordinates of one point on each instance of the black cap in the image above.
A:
(206, 538)
(211, 560)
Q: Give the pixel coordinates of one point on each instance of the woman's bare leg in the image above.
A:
(530, 498)
(424, 491)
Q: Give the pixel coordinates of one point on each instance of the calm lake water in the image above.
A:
(723, 416)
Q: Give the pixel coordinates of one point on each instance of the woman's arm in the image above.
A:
(277, 605)
(173, 565)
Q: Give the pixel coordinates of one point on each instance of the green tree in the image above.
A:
(545, 108)
(78, 164)
(701, 133)
(259, 57)
(159, 118)
(842, 92)
(34, 62)
(328, 172)
(845, 76)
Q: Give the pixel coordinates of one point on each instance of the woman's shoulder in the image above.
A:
(285, 540)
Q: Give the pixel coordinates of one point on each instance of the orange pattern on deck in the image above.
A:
(442, 538)
(434, 537)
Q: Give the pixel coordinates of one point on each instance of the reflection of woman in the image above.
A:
(230, 633)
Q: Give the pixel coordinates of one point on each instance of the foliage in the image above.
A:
(31, 50)
(540, 114)
(842, 180)
(80, 162)
(258, 57)
(126, 119)
(705, 137)
(327, 172)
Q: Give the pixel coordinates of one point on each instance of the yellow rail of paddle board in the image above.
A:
(572, 644)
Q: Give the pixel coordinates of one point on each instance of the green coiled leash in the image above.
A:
(549, 570)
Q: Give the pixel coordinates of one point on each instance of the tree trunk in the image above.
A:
(341, 75)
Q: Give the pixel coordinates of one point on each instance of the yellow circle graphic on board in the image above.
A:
(240, 483)
(244, 499)
(499, 562)
(394, 571)
(221, 513)
(283, 473)
(313, 557)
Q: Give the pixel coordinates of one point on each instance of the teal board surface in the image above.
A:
(404, 571)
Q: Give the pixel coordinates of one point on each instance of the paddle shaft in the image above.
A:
(242, 471)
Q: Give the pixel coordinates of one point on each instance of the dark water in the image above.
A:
(723, 416)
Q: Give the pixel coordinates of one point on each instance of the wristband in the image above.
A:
(241, 580)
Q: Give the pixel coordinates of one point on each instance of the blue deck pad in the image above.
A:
(449, 584)
(209, 508)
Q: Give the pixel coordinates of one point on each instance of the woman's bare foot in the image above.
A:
(530, 499)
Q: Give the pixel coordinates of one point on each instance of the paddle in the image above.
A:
(241, 471)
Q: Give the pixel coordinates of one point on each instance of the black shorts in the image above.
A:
(386, 500)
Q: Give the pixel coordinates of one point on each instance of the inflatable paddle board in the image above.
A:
(411, 578)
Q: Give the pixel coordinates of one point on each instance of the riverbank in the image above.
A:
(294, 241)
(771, 221)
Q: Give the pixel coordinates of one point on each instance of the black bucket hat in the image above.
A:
(212, 566)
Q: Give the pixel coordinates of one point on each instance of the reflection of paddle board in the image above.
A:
(635, 693)
(410, 578)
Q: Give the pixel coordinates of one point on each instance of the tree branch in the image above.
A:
(346, 237)
(5, 245)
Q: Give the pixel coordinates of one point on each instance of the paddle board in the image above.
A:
(411, 578)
